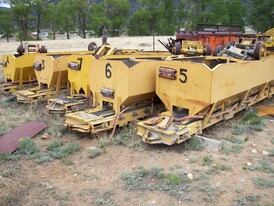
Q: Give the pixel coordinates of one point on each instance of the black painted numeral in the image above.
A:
(183, 73)
(108, 71)
(81, 60)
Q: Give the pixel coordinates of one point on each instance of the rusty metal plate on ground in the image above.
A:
(9, 141)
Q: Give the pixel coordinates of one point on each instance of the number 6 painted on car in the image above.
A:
(108, 71)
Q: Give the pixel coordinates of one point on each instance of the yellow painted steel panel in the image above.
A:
(80, 78)
(13, 64)
(131, 80)
(190, 89)
(234, 78)
(51, 66)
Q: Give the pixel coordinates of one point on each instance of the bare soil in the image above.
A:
(124, 173)
(75, 43)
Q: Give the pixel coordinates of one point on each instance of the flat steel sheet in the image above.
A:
(27, 130)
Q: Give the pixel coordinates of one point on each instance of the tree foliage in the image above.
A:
(6, 23)
(132, 17)
(261, 14)
(22, 17)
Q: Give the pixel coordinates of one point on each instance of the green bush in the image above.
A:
(54, 144)
(174, 179)
(94, 153)
(263, 183)
(207, 160)
(27, 146)
(71, 148)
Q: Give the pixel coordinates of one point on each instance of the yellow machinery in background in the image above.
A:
(268, 41)
(187, 48)
(123, 88)
(79, 78)
(51, 71)
(18, 68)
(52, 76)
(201, 91)
(79, 68)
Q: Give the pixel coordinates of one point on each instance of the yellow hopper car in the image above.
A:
(201, 91)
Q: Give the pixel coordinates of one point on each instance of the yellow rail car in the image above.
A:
(123, 89)
(18, 68)
(79, 79)
(52, 75)
(79, 76)
(201, 91)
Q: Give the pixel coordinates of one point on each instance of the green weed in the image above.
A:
(263, 183)
(43, 158)
(263, 166)
(247, 200)
(192, 159)
(67, 161)
(10, 172)
(271, 152)
(157, 171)
(105, 199)
(194, 143)
(207, 160)
(207, 188)
(232, 149)
(55, 144)
(239, 129)
(4, 127)
(71, 148)
(237, 140)
(253, 121)
(9, 157)
(126, 136)
(173, 179)
(27, 146)
(224, 167)
(94, 153)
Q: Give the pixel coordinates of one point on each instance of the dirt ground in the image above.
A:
(78, 44)
(125, 171)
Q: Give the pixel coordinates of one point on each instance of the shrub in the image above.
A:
(54, 144)
(27, 146)
(174, 179)
(94, 153)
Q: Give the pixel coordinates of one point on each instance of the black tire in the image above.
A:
(118, 52)
(208, 50)
(92, 46)
(43, 49)
(20, 50)
(259, 51)
(97, 49)
(217, 50)
(178, 47)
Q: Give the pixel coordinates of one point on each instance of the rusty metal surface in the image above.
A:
(9, 141)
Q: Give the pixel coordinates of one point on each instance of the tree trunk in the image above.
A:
(38, 26)
(53, 33)
(67, 31)
(25, 31)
